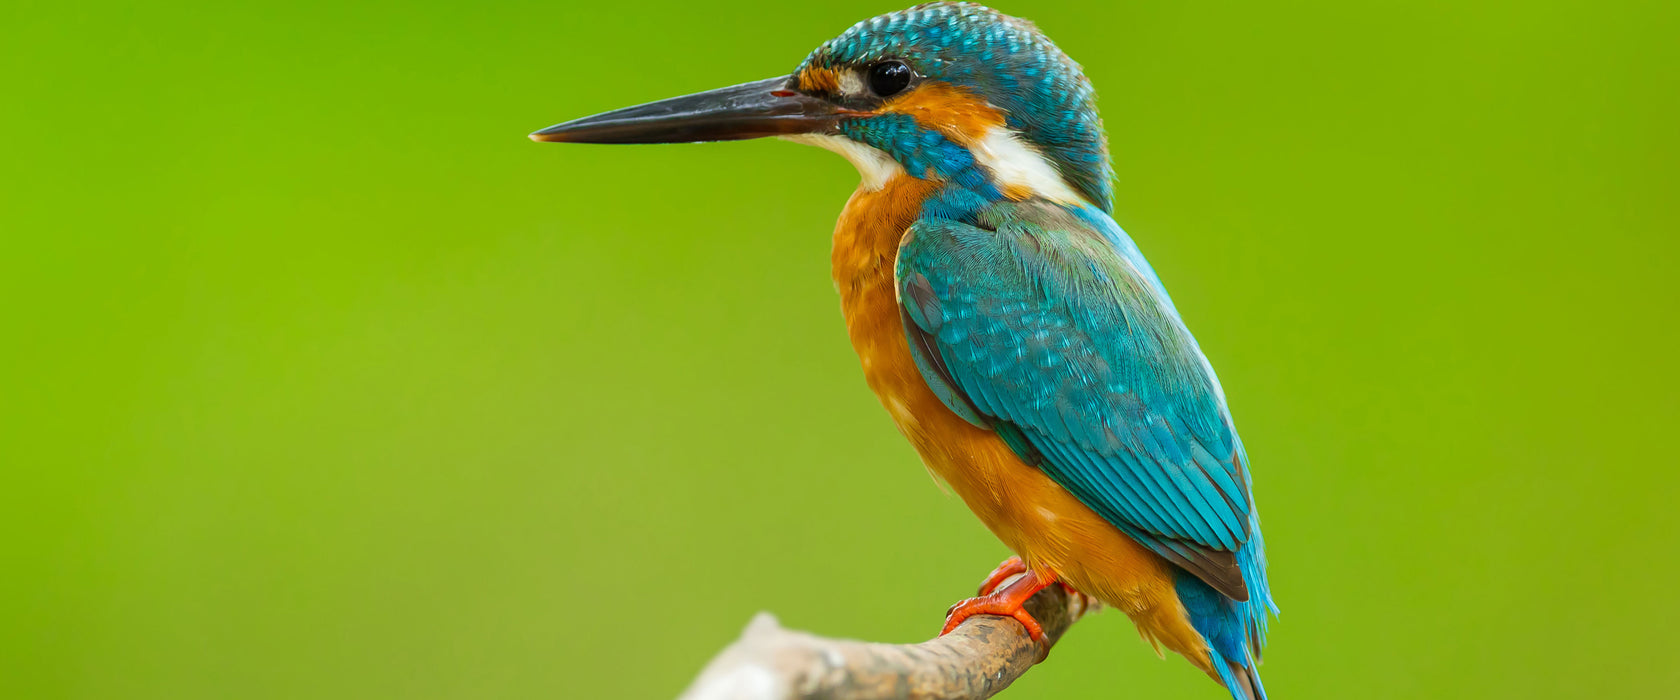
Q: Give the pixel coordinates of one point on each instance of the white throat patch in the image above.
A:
(876, 167)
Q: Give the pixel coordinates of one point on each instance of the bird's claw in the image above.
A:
(989, 605)
(1006, 601)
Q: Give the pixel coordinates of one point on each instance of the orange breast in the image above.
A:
(1033, 515)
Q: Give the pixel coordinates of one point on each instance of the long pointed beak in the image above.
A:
(748, 111)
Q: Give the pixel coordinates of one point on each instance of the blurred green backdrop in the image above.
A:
(319, 380)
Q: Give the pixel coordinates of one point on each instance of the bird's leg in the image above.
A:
(1009, 567)
(1006, 601)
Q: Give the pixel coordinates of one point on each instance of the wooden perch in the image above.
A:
(976, 660)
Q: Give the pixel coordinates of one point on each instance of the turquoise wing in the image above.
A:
(1047, 326)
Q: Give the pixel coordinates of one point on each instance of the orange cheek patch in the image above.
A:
(819, 80)
(959, 114)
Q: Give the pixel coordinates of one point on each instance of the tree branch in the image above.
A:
(976, 660)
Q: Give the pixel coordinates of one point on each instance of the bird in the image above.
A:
(1014, 332)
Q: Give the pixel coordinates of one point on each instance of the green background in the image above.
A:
(319, 380)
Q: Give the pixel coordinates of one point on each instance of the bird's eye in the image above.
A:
(889, 78)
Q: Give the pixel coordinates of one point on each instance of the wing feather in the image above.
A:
(1049, 328)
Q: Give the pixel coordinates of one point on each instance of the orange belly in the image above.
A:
(1033, 515)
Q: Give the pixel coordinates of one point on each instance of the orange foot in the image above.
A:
(1006, 602)
(1009, 567)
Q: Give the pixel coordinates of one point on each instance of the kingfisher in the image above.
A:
(1015, 334)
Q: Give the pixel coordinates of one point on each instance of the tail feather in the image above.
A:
(1243, 682)
(1235, 631)
(1251, 676)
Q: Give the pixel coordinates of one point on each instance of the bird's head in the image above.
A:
(948, 91)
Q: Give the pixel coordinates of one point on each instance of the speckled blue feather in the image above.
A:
(1044, 324)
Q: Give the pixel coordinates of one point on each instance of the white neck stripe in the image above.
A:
(1015, 163)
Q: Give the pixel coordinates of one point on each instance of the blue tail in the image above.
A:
(1235, 632)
